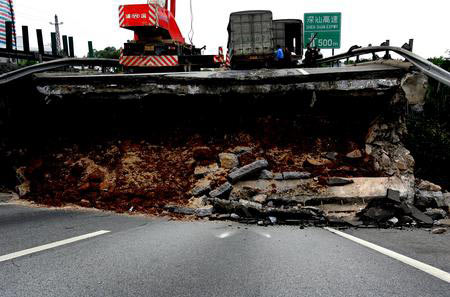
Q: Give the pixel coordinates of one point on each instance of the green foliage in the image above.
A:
(429, 133)
(108, 53)
(25, 63)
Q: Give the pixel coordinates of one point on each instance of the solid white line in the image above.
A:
(445, 276)
(50, 246)
(303, 71)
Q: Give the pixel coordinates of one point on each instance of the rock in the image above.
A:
(224, 217)
(261, 198)
(260, 223)
(296, 175)
(385, 161)
(336, 181)
(247, 170)
(202, 153)
(331, 156)
(234, 216)
(278, 176)
(393, 195)
(446, 197)
(266, 174)
(393, 221)
(248, 204)
(444, 222)
(379, 214)
(273, 220)
(436, 213)
(239, 150)
(198, 202)
(222, 191)
(317, 162)
(201, 171)
(424, 185)
(439, 230)
(204, 212)
(228, 161)
(356, 154)
(427, 199)
(180, 209)
(202, 187)
(415, 87)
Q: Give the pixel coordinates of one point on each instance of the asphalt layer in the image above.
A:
(154, 257)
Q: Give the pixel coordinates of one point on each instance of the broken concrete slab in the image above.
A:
(201, 171)
(427, 199)
(443, 222)
(393, 195)
(202, 187)
(296, 175)
(420, 216)
(222, 191)
(247, 170)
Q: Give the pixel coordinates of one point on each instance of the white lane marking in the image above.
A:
(224, 235)
(303, 71)
(50, 246)
(445, 276)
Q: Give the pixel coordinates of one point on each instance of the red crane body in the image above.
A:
(158, 41)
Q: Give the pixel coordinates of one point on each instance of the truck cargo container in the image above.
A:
(253, 37)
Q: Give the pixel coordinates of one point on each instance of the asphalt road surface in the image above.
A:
(153, 257)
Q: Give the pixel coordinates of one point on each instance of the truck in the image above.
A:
(253, 37)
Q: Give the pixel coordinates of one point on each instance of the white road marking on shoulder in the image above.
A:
(50, 246)
(303, 71)
(445, 276)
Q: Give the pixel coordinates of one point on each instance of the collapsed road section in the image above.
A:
(296, 146)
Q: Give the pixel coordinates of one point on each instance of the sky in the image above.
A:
(363, 21)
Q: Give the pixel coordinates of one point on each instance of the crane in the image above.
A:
(158, 44)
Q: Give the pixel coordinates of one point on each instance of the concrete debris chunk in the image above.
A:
(234, 216)
(424, 185)
(436, 213)
(426, 199)
(202, 187)
(420, 216)
(393, 195)
(439, 230)
(296, 175)
(261, 198)
(239, 150)
(444, 223)
(273, 220)
(336, 182)
(266, 174)
(247, 170)
(356, 154)
(222, 191)
(393, 221)
(228, 161)
(204, 212)
(331, 156)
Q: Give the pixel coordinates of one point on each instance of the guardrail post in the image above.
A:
(411, 44)
(65, 46)
(40, 44)
(54, 46)
(71, 47)
(387, 56)
(91, 49)
(25, 39)
(9, 36)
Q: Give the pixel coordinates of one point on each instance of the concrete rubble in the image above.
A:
(308, 169)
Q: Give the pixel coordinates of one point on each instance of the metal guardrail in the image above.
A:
(46, 66)
(422, 64)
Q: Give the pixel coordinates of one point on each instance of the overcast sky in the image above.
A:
(363, 21)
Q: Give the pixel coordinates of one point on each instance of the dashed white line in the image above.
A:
(303, 71)
(50, 246)
(443, 275)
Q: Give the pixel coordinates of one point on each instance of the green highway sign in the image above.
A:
(327, 25)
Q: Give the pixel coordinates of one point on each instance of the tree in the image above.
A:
(108, 53)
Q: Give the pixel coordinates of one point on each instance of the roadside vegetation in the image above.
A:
(429, 132)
